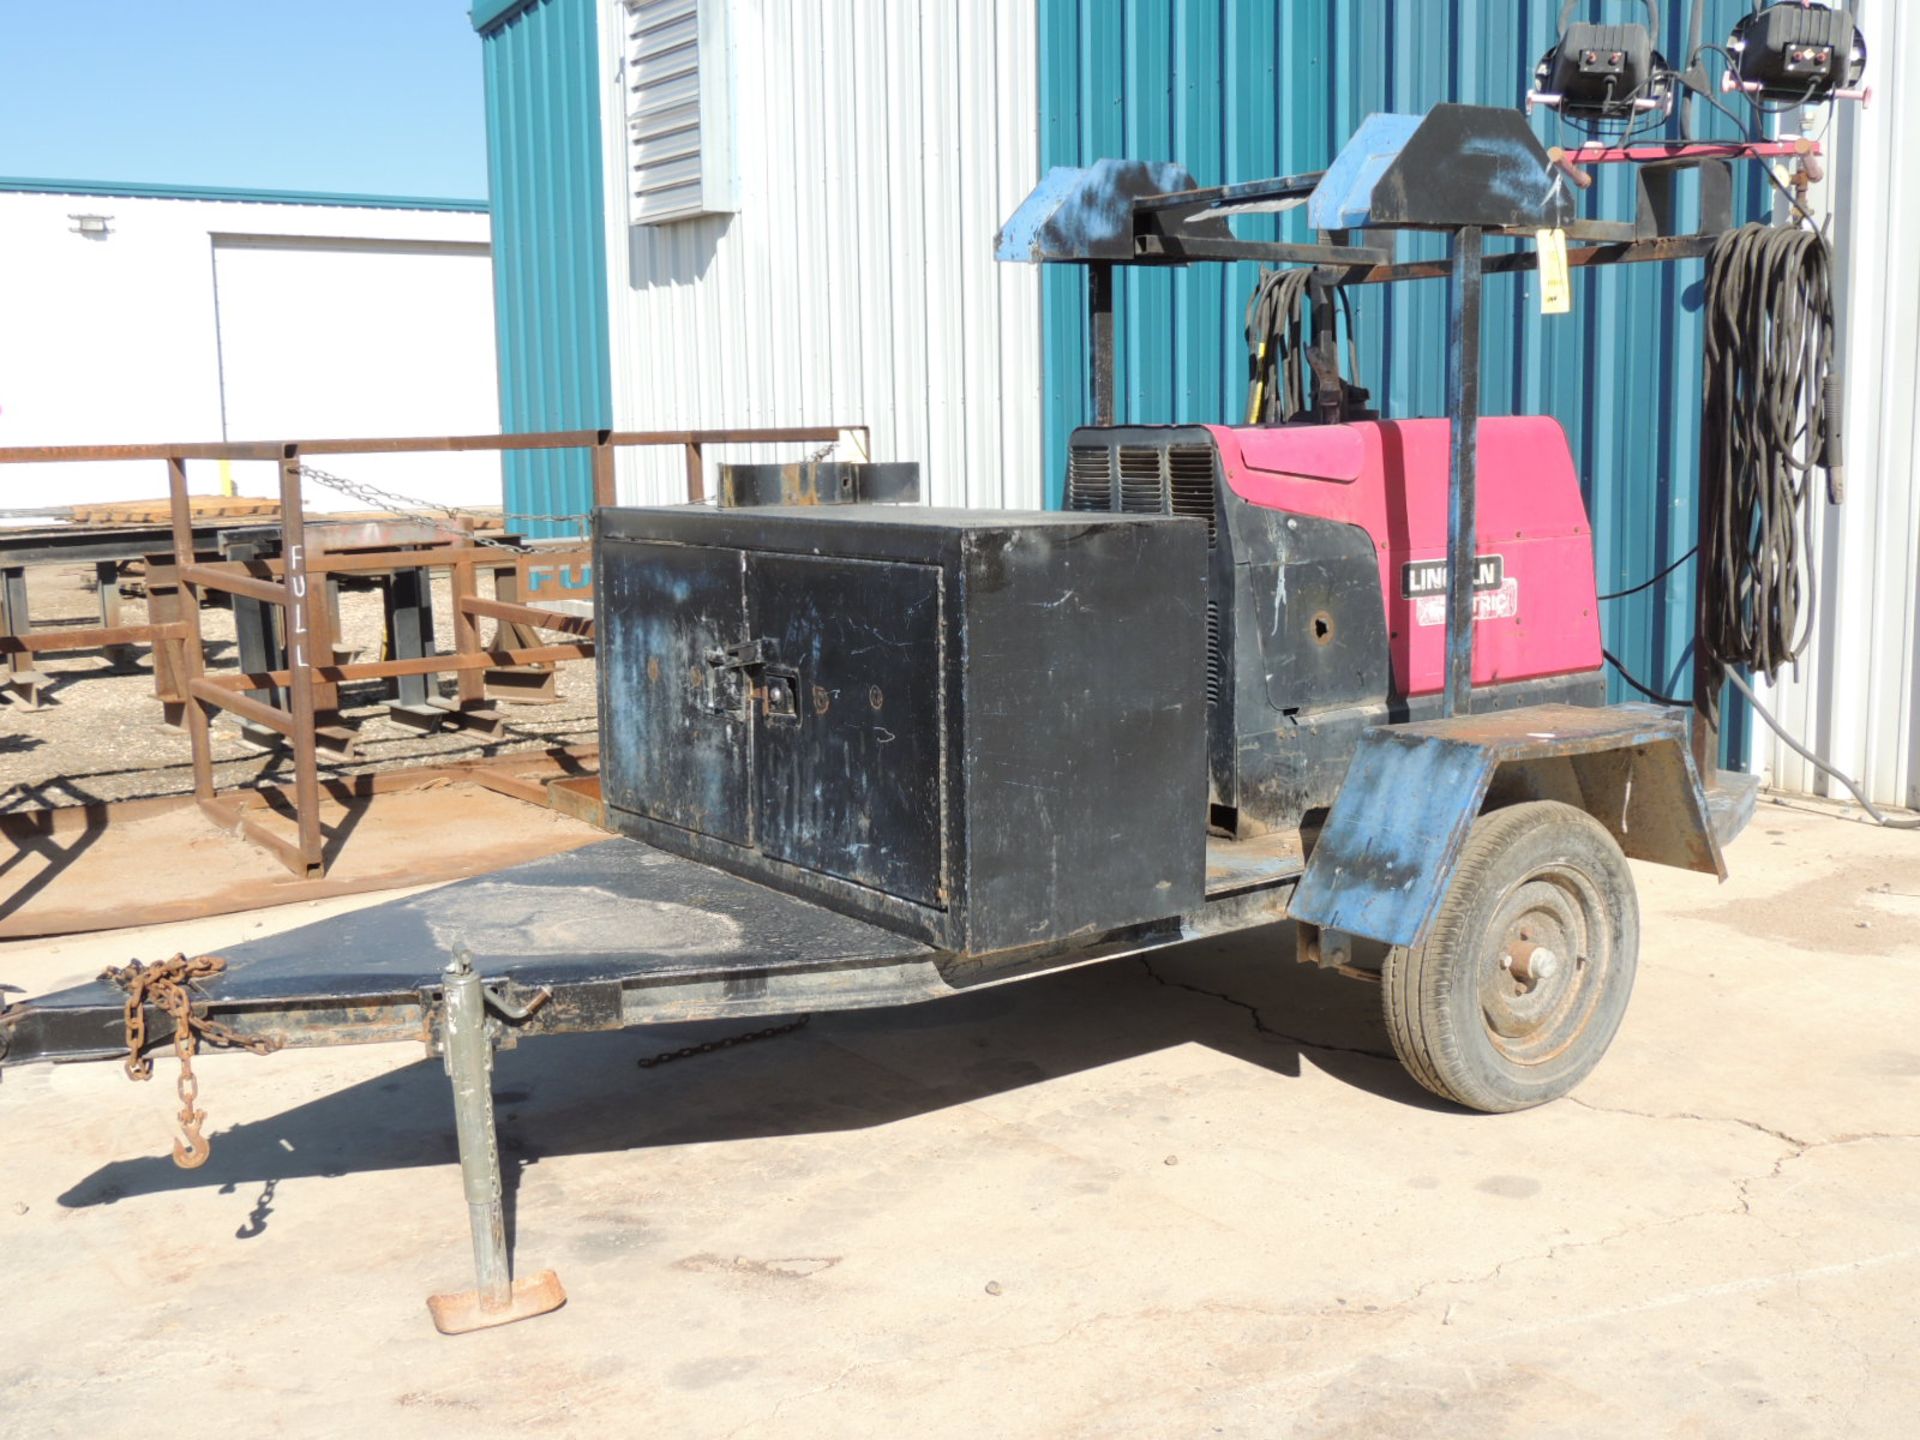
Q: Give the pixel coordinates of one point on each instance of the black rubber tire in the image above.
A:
(1459, 1019)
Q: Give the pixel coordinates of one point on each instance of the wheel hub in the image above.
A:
(1529, 963)
(1540, 981)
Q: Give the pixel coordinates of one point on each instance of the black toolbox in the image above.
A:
(983, 729)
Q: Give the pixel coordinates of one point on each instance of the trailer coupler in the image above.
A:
(468, 1037)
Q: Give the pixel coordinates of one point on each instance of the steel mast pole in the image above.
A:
(1463, 409)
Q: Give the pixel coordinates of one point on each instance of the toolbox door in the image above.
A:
(675, 693)
(848, 733)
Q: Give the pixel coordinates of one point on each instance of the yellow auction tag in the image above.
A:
(1556, 278)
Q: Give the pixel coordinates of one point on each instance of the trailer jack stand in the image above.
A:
(497, 1298)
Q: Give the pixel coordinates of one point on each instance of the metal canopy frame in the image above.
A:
(1468, 172)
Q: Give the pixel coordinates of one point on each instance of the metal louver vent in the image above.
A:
(1190, 484)
(1215, 663)
(679, 110)
(1090, 478)
(1142, 491)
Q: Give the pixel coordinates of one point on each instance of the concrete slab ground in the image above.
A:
(1104, 1203)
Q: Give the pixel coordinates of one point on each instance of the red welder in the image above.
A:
(1327, 585)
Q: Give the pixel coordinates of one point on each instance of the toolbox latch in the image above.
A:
(726, 690)
(744, 656)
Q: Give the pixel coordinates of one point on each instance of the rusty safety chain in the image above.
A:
(383, 499)
(726, 1042)
(164, 985)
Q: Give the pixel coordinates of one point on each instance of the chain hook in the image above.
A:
(190, 1152)
(165, 985)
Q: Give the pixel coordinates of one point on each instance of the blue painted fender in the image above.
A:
(1387, 855)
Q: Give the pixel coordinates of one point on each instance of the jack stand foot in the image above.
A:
(465, 1310)
(467, 1039)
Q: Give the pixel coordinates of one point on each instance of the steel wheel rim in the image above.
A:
(1533, 1019)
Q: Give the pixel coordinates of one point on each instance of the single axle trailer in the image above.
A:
(1509, 995)
(1341, 670)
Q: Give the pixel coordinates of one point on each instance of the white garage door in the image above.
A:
(334, 339)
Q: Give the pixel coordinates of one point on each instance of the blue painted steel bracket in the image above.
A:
(1455, 165)
(1343, 200)
(1388, 853)
(1080, 214)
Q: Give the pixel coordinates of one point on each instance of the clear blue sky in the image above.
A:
(375, 96)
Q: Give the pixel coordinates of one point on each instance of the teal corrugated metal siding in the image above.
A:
(1240, 89)
(549, 246)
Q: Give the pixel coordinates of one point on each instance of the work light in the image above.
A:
(1796, 52)
(1600, 74)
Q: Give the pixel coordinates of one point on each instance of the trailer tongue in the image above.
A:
(611, 935)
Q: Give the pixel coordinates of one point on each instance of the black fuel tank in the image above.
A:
(987, 730)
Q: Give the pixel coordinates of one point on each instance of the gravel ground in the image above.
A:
(100, 735)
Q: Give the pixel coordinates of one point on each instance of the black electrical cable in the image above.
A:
(1279, 385)
(1771, 418)
(1649, 584)
(1280, 382)
(1799, 211)
(1880, 817)
(1633, 680)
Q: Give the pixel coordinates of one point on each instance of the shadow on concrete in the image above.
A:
(851, 1070)
(34, 836)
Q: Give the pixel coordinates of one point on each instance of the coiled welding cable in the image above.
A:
(1279, 386)
(1772, 418)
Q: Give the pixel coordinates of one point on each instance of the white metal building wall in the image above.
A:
(1858, 690)
(878, 146)
(274, 321)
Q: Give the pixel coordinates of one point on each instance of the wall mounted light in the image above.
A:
(94, 227)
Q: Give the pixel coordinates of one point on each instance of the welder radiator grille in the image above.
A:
(1190, 484)
(1142, 483)
(1090, 478)
(1154, 480)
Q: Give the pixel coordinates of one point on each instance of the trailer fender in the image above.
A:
(1387, 854)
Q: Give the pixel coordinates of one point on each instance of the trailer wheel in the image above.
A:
(1525, 973)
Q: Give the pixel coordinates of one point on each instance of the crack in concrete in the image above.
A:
(1259, 1020)
(1755, 1125)
(1798, 1148)
(1799, 1144)
(1553, 1252)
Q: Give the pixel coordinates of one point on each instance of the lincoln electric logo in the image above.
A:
(1420, 578)
(1495, 597)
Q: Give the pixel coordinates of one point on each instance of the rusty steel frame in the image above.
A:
(296, 583)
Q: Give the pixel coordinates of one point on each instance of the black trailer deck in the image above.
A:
(622, 933)
(613, 935)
